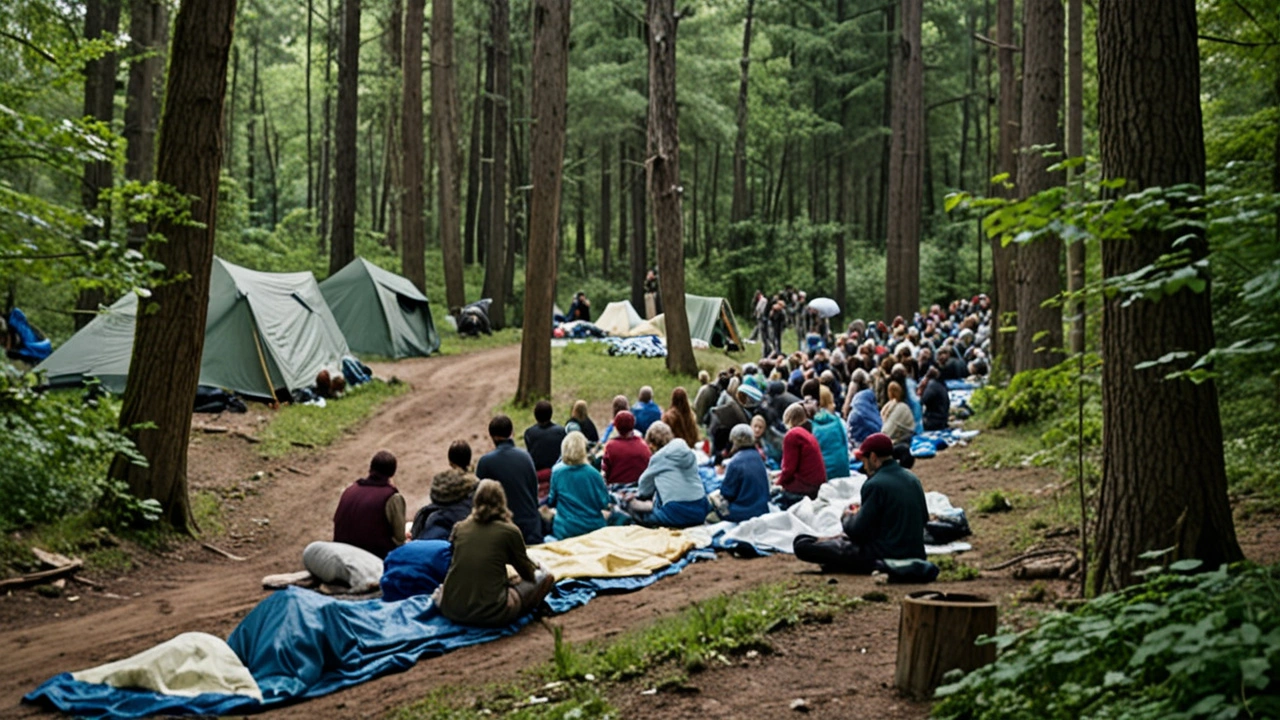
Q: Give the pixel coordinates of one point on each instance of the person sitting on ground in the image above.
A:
(888, 525)
(803, 469)
(684, 424)
(831, 434)
(580, 308)
(936, 401)
(768, 440)
(620, 404)
(578, 495)
(903, 376)
(370, 513)
(476, 591)
(731, 411)
(625, 456)
(951, 367)
(670, 493)
(580, 421)
(513, 468)
(745, 491)
(451, 492)
(542, 440)
(899, 424)
(646, 410)
(708, 392)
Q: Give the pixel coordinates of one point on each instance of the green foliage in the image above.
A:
(951, 569)
(1036, 395)
(55, 456)
(992, 501)
(559, 702)
(1176, 646)
(311, 426)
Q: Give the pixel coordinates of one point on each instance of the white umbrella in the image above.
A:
(826, 307)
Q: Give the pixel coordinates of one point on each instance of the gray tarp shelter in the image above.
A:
(264, 332)
(379, 312)
(710, 320)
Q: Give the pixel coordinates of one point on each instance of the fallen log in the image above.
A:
(1031, 556)
(38, 578)
(219, 551)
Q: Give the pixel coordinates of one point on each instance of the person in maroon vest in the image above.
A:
(370, 514)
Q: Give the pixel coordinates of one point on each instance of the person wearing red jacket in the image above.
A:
(803, 469)
(626, 455)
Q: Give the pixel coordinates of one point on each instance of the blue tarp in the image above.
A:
(300, 644)
(34, 347)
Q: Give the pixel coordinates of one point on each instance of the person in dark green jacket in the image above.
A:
(887, 525)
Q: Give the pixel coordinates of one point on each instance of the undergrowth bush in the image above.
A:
(54, 459)
(1177, 646)
(1036, 395)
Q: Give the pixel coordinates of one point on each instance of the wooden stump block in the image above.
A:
(936, 634)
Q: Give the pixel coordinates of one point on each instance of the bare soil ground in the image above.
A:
(842, 670)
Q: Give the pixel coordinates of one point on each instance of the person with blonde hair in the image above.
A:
(899, 423)
(831, 434)
(578, 495)
(476, 590)
(680, 417)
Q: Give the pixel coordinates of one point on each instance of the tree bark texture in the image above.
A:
(148, 30)
(444, 142)
(663, 166)
(1037, 272)
(486, 160)
(1163, 480)
(902, 259)
(473, 162)
(639, 245)
(603, 231)
(1003, 296)
(741, 207)
(169, 336)
(342, 240)
(495, 268)
(1075, 148)
(102, 17)
(413, 224)
(550, 88)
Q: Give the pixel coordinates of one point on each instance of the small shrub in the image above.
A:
(952, 570)
(1035, 395)
(992, 501)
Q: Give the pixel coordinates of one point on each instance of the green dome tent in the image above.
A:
(264, 331)
(379, 312)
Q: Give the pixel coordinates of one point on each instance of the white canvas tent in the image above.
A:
(619, 318)
(264, 332)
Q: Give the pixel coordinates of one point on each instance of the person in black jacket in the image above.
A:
(513, 469)
(951, 367)
(451, 493)
(542, 440)
(935, 401)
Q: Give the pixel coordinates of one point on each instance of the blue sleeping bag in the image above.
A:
(35, 347)
(416, 568)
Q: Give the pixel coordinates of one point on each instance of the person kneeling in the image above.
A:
(889, 524)
(477, 591)
(670, 492)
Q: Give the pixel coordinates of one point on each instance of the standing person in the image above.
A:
(760, 311)
(451, 493)
(778, 323)
(580, 421)
(803, 469)
(800, 316)
(542, 440)
(888, 525)
(513, 468)
(578, 495)
(646, 410)
(745, 491)
(684, 424)
(670, 492)
(625, 455)
(370, 513)
(476, 591)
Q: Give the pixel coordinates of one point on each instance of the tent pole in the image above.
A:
(262, 360)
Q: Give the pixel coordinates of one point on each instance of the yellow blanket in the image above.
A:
(625, 551)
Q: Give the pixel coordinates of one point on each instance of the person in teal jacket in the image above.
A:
(832, 435)
(578, 494)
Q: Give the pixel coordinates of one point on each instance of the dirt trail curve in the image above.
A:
(451, 399)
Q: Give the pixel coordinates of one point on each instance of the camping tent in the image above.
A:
(710, 320)
(259, 325)
(619, 318)
(380, 312)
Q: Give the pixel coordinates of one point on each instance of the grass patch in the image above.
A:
(82, 535)
(952, 570)
(310, 426)
(553, 702)
(585, 371)
(451, 343)
(992, 501)
(206, 508)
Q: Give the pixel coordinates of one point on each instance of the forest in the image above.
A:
(1120, 208)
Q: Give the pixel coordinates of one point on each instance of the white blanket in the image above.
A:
(188, 665)
(778, 530)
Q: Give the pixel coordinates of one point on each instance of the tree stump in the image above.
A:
(936, 634)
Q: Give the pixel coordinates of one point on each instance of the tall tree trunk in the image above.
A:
(902, 259)
(1004, 297)
(580, 212)
(639, 245)
(342, 240)
(663, 165)
(473, 160)
(604, 236)
(623, 199)
(326, 132)
(495, 272)
(272, 162)
(389, 207)
(413, 229)
(148, 30)
(169, 334)
(251, 136)
(229, 132)
(550, 86)
(713, 199)
(102, 17)
(1038, 276)
(695, 191)
(1163, 479)
(485, 221)
(886, 115)
(741, 207)
(311, 170)
(444, 142)
(1075, 148)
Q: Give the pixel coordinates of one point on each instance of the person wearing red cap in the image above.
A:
(626, 455)
(889, 524)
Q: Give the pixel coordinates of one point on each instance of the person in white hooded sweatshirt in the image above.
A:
(670, 493)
